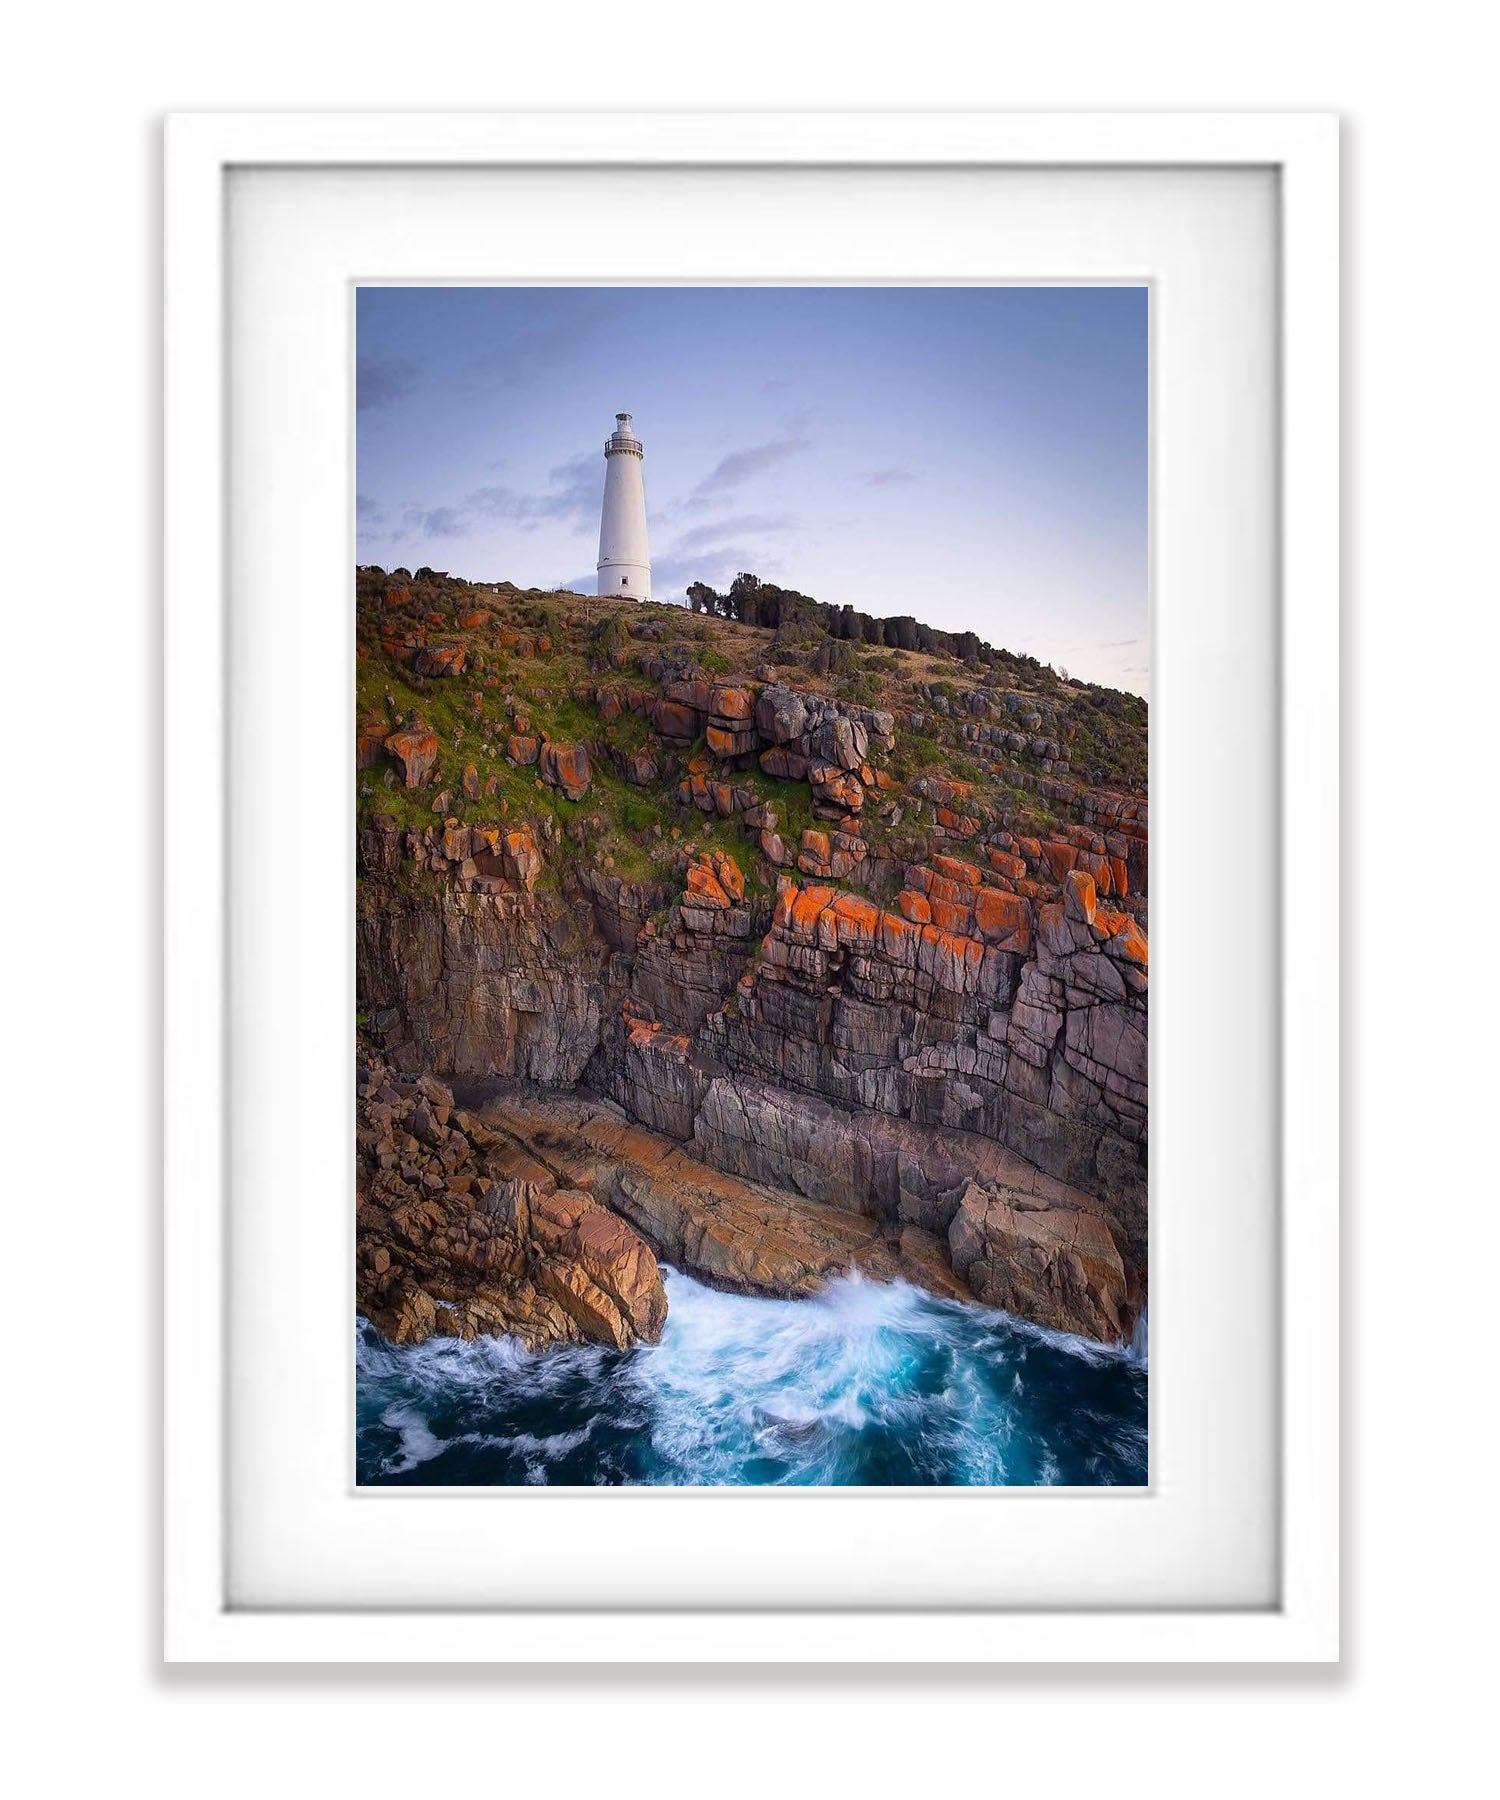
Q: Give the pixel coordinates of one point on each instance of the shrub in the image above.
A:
(609, 635)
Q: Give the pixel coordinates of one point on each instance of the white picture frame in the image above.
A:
(202, 1620)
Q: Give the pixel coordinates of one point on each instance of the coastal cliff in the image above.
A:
(780, 955)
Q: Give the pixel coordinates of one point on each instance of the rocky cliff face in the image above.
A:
(921, 1018)
(466, 984)
(821, 1045)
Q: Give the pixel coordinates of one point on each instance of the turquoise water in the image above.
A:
(863, 1384)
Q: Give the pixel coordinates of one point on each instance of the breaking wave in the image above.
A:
(865, 1383)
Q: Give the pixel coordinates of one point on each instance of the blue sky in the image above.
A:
(974, 456)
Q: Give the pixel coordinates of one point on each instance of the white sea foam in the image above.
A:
(794, 1376)
(1140, 1337)
(550, 1448)
(861, 1382)
(418, 1445)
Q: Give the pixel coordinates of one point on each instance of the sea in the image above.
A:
(863, 1384)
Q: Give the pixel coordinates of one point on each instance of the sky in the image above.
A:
(974, 456)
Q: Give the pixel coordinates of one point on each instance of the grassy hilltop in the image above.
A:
(496, 670)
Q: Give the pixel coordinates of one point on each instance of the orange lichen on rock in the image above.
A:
(952, 962)
(1059, 858)
(806, 907)
(704, 885)
(962, 874)
(731, 876)
(646, 1034)
(714, 879)
(441, 659)
(1080, 897)
(899, 938)
(856, 922)
(951, 915)
(998, 914)
(730, 703)
(415, 747)
(566, 767)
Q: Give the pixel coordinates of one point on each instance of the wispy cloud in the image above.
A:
(378, 380)
(724, 531)
(740, 465)
(573, 492)
(718, 567)
(447, 521)
(571, 496)
(715, 550)
(879, 478)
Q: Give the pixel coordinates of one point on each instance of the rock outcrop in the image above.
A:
(477, 974)
(1022, 1025)
(566, 767)
(731, 1232)
(451, 1242)
(1058, 1265)
(415, 748)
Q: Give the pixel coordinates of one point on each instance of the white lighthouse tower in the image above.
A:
(624, 556)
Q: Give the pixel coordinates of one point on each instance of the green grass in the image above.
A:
(554, 693)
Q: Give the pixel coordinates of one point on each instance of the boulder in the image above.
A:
(834, 789)
(597, 1268)
(1058, 1266)
(566, 767)
(1059, 858)
(522, 858)
(731, 705)
(783, 765)
(844, 742)
(724, 741)
(780, 715)
(441, 659)
(369, 741)
(704, 886)
(814, 856)
(1002, 917)
(731, 877)
(1079, 898)
(415, 747)
(676, 722)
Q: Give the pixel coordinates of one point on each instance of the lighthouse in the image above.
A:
(624, 557)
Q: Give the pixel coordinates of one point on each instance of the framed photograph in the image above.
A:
(698, 649)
